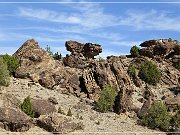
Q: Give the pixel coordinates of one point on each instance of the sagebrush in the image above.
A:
(157, 116)
(26, 107)
(132, 70)
(106, 100)
(4, 73)
(135, 51)
(149, 73)
(12, 63)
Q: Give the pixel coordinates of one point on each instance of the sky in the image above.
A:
(115, 26)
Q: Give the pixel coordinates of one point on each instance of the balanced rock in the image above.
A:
(80, 53)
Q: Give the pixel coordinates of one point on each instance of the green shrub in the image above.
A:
(57, 56)
(69, 113)
(61, 111)
(157, 116)
(149, 73)
(177, 65)
(106, 100)
(48, 50)
(12, 63)
(175, 121)
(4, 73)
(100, 59)
(26, 107)
(132, 70)
(135, 51)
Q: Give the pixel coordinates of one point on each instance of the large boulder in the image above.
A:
(14, 120)
(58, 123)
(42, 107)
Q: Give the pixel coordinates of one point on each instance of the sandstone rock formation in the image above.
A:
(58, 123)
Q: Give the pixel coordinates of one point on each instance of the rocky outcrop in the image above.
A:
(88, 50)
(148, 100)
(86, 80)
(74, 61)
(14, 120)
(169, 74)
(114, 73)
(42, 107)
(58, 123)
(165, 48)
(83, 76)
(36, 64)
(80, 53)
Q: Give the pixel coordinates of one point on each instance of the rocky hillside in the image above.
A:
(76, 81)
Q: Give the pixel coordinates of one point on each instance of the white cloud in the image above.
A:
(8, 50)
(89, 16)
(93, 16)
(126, 43)
(6, 36)
(151, 20)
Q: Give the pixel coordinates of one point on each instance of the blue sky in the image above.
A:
(115, 26)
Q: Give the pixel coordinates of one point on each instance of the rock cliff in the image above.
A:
(82, 75)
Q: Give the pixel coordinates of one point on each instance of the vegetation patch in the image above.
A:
(56, 55)
(175, 121)
(177, 65)
(157, 116)
(69, 113)
(131, 70)
(26, 107)
(106, 100)
(135, 51)
(149, 73)
(100, 59)
(12, 63)
(61, 111)
(4, 73)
